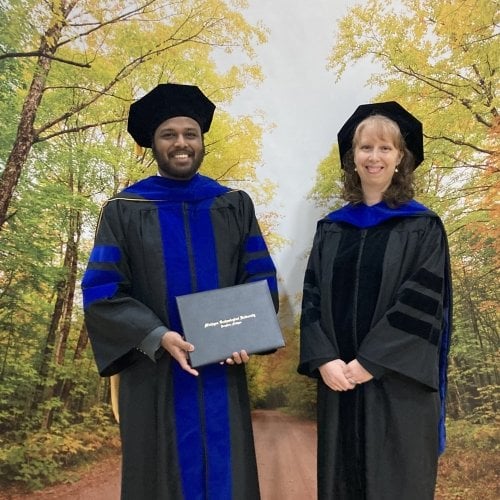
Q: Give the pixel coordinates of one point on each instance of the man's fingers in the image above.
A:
(185, 365)
(237, 358)
(182, 344)
(188, 347)
(173, 340)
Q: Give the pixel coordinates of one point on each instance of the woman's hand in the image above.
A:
(356, 374)
(334, 377)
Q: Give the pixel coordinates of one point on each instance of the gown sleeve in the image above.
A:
(116, 322)
(316, 348)
(407, 338)
(255, 261)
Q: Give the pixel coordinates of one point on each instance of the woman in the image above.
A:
(376, 319)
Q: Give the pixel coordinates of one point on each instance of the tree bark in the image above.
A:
(63, 310)
(83, 340)
(26, 135)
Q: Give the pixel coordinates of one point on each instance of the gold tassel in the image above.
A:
(138, 150)
(114, 384)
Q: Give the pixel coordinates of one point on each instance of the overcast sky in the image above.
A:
(299, 95)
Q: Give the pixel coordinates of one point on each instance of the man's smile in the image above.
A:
(180, 155)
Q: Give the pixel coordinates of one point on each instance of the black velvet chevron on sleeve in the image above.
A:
(421, 302)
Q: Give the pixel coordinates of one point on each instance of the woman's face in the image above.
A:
(375, 156)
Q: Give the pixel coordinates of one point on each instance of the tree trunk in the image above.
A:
(26, 135)
(70, 264)
(47, 354)
(81, 345)
(63, 311)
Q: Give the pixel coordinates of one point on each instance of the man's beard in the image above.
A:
(167, 169)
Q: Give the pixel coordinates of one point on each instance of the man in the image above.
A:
(186, 433)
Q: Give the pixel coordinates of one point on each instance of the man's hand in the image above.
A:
(334, 377)
(355, 372)
(178, 348)
(238, 358)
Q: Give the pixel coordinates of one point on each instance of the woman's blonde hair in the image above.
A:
(401, 189)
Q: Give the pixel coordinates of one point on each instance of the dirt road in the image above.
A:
(286, 457)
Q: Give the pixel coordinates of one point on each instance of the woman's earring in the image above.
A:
(355, 169)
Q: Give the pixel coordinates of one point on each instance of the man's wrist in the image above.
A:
(151, 344)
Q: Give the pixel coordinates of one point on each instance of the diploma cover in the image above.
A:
(225, 320)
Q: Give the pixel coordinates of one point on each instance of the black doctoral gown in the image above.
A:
(379, 293)
(183, 437)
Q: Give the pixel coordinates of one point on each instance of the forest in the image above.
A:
(69, 70)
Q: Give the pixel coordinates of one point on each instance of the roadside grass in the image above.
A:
(470, 466)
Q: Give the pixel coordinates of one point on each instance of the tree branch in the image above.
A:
(76, 129)
(36, 53)
(98, 26)
(461, 143)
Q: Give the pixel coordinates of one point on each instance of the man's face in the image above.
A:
(178, 148)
